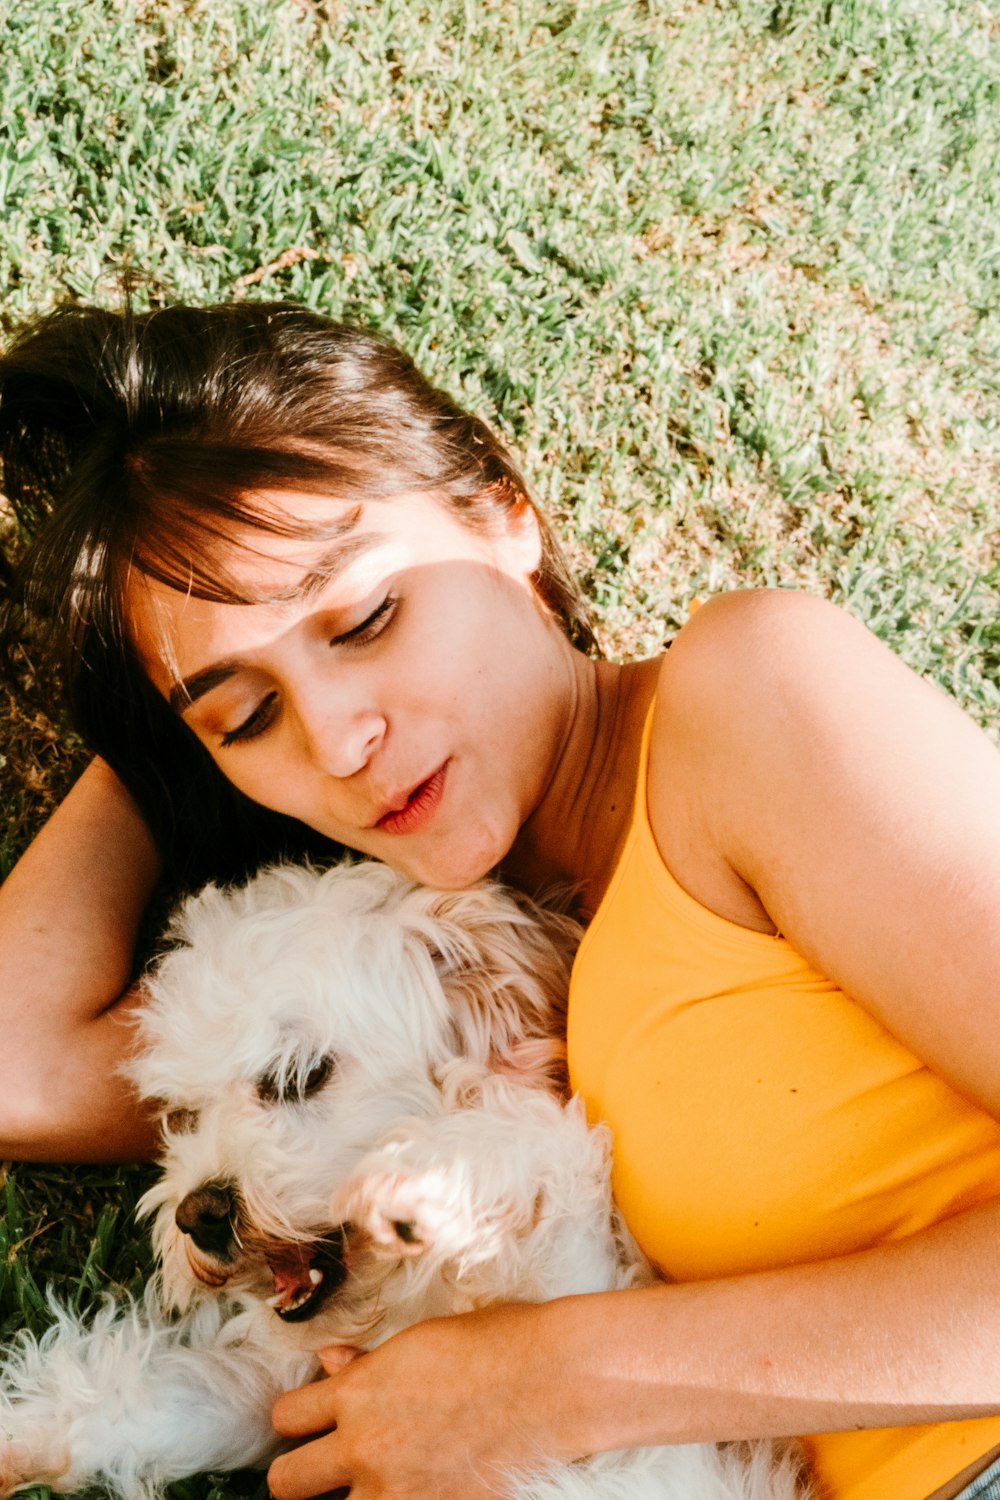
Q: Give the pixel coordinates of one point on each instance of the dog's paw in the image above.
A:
(406, 1213)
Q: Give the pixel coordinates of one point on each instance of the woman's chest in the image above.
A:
(760, 1116)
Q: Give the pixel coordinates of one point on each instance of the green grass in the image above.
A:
(47, 1220)
(726, 276)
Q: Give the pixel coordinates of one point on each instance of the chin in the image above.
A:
(452, 869)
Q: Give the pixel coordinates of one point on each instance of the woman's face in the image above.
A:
(399, 687)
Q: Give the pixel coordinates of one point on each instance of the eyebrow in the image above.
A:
(332, 563)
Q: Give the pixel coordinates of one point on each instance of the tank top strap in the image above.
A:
(639, 810)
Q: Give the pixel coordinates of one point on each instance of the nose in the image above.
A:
(340, 738)
(207, 1216)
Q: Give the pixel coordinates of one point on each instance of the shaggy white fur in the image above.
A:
(364, 1125)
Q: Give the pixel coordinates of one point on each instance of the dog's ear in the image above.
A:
(504, 965)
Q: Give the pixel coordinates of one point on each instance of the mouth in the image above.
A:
(305, 1275)
(417, 807)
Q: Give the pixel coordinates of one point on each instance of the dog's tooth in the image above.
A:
(315, 1275)
(276, 1300)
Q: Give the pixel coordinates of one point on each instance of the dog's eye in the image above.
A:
(181, 1121)
(318, 1074)
(285, 1088)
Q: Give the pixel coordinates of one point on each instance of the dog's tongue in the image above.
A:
(290, 1266)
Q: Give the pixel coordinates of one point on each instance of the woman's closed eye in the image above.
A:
(262, 717)
(266, 711)
(371, 626)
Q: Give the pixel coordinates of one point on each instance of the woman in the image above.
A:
(268, 549)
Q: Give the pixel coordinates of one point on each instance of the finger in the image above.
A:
(307, 1471)
(306, 1410)
(337, 1357)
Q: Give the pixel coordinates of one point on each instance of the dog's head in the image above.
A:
(295, 1022)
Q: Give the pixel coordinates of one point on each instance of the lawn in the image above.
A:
(724, 274)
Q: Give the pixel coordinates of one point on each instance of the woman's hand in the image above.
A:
(445, 1408)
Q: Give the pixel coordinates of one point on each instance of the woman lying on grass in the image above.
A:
(302, 599)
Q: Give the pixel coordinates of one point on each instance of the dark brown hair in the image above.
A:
(141, 441)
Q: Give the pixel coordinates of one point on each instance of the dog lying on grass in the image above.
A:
(365, 1124)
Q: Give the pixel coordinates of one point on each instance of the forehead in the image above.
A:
(300, 532)
(267, 578)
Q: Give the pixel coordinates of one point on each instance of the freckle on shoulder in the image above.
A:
(743, 651)
(752, 628)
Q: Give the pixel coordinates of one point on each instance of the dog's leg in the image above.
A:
(131, 1401)
(474, 1186)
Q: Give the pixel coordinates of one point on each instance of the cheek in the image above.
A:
(249, 773)
(267, 775)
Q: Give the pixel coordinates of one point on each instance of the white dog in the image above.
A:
(363, 1127)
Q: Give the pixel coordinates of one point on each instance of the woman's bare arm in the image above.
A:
(69, 916)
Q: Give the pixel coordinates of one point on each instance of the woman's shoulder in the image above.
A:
(800, 772)
(731, 675)
(772, 708)
(763, 628)
(762, 658)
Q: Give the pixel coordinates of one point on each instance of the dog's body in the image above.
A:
(363, 1129)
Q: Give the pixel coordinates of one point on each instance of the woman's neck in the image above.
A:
(575, 833)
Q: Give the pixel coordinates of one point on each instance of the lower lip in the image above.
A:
(420, 809)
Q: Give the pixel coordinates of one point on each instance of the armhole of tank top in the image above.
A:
(640, 843)
(638, 821)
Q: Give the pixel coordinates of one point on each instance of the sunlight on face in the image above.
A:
(393, 688)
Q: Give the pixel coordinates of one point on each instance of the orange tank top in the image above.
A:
(761, 1118)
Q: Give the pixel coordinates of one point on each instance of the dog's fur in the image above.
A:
(361, 1079)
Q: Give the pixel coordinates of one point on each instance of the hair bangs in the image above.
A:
(193, 511)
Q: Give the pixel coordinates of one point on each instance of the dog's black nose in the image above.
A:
(207, 1216)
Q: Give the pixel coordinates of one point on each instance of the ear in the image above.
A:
(519, 547)
(504, 966)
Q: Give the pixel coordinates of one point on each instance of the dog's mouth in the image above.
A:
(305, 1275)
